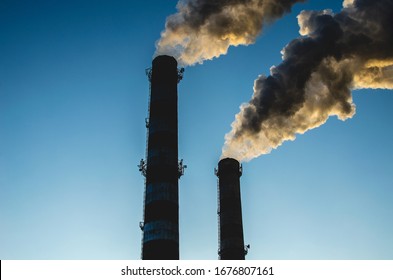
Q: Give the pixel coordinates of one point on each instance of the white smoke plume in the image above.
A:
(205, 29)
(352, 49)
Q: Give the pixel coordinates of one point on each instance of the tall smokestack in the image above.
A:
(231, 239)
(162, 169)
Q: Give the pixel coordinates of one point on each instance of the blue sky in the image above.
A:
(73, 103)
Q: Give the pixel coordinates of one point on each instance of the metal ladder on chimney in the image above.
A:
(218, 214)
(143, 163)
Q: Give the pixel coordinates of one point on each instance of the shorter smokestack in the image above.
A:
(231, 241)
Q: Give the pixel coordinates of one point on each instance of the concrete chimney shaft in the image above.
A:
(231, 240)
(161, 210)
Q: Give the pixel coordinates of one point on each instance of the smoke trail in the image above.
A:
(336, 53)
(205, 29)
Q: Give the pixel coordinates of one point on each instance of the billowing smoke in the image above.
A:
(336, 53)
(205, 29)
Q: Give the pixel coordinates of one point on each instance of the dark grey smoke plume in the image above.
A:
(205, 29)
(336, 53)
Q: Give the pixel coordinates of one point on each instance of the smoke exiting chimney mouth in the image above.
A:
(337, 53)
(231, 240)
(205, 29)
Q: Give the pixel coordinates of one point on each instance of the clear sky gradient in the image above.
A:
(73, 103)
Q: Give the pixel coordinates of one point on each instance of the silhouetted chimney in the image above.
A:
(231, 241)
(162, 168)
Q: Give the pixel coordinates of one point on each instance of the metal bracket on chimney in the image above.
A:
(180, 73)
(142, 167)
(246, 249)
(181, 168)
(148, 72)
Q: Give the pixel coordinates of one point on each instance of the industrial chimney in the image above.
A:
(162, 168)
(231, 241)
